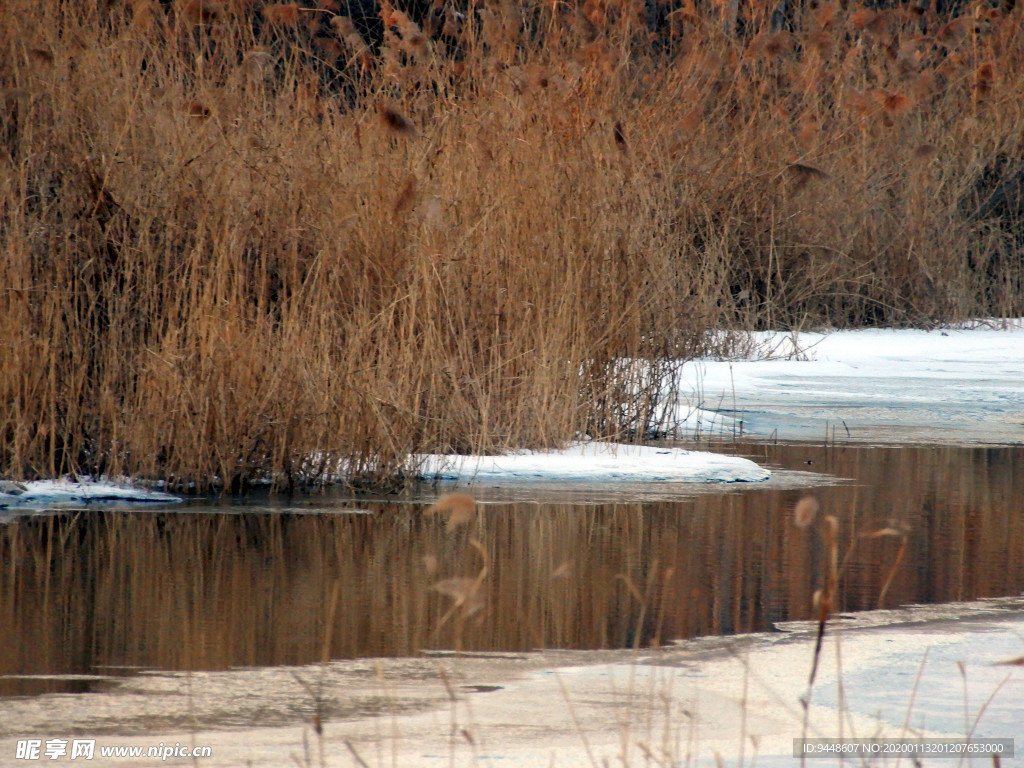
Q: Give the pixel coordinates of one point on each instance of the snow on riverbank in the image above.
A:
(591, 463)
(596, 462)
(961, 385)
(53, 494)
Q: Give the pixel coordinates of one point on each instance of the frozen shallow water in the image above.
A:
(935, 671)
(881, 385)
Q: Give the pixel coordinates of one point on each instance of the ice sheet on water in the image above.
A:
(953, 385)
(52, 494)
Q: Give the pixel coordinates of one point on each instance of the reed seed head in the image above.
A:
(563, 571)
(41, 56)
(983, 79)
(805, 511)
(404, 200)
(202, 11)
(197, 109)
(895, 103)
(620, 137)
(343, 26)
(459, 507)
(468, 594)
(802, 174)
(257, 63)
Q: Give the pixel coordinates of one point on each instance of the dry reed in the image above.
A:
(460, 509)
(245, 242)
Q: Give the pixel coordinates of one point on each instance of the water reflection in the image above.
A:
(94, 591)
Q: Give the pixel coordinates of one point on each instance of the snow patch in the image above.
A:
(69, 493)
(595, 462)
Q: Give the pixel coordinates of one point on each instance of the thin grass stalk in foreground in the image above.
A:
(804, 514)
(825, 598)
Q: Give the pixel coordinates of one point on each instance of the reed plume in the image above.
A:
(460, 509)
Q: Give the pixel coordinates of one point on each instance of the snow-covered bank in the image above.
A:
(595, 462)
(932, 671)
(53, 494)
(885, 385)
(590, 463)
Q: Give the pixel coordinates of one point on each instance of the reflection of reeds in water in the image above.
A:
(467, 593)
(215, 590)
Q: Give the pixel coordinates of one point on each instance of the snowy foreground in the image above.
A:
(925, 671)
(941, 386)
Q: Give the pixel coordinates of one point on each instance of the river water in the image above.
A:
(262, 581)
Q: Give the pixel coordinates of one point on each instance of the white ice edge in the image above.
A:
(74, 493)
(594, 462)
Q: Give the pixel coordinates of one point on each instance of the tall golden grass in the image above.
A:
(239, 240)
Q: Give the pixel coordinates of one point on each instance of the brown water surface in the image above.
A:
(218, 585)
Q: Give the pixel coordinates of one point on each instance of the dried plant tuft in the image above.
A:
(282, 14)
(459, 507)
(289, 306)
(805, 511)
